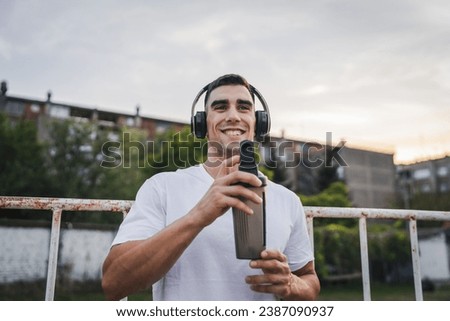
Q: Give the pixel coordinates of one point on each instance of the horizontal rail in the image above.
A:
(74, 204)
(58, 205)
(64, 204)
(376, 213)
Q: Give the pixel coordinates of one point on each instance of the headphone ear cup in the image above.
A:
(198, 124)
(262, 124)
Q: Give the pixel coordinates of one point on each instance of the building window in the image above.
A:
(422, 173)
(112, 136)
(162, 127)
(425, 188)
(14, 108)
(442, 171)
(35, 108)
(130, 122)
(443, 187)
(340, 173)
(59, 111)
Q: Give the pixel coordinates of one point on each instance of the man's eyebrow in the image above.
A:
(244, 101)
(219, 102)
(226, 101)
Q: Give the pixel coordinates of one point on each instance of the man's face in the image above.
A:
(230, 116)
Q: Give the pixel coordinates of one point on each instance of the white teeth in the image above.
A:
(233, 132)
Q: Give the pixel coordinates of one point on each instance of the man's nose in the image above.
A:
(233, 114)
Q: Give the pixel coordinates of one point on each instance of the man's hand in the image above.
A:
(277, 277)
(225, 193)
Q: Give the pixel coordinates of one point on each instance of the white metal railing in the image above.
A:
(374, 213)
(58, 205)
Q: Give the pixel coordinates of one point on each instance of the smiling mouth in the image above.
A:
(233, 132)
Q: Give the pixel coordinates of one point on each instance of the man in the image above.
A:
(178, 236)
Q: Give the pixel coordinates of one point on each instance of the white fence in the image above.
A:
(58, 205)
(24, 252)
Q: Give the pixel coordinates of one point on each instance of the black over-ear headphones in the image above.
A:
(262, 127)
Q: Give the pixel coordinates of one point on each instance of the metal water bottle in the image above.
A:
(250, 230)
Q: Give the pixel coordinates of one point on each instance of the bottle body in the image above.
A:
(250, 230)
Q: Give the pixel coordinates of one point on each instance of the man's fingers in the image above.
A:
(280, 290)
(239, 205)
(276, 278)
(272, 261)
(228, 165)
(273, 254)
(243, 193)
(241, 177)
(266, 279)
(270, 283)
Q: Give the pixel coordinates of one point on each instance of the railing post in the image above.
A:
(364, 258)
(310, 226)
(415, 258)
(53, 255)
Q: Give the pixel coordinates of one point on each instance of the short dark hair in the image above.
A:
(229, 79)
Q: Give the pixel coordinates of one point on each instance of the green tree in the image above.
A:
(71, 158)
(431, 201)
(336, 194)
(77, 152)
(22, 165)
(389, 249)
(23, 168)
(336, 250)
(172, 150)
(334, 239)
(327, 173)
(123, 163)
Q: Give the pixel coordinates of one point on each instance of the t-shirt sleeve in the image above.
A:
(298, 249)
(147, 215)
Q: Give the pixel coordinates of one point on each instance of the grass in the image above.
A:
(70, 291)
(91, 291)
(381, 292)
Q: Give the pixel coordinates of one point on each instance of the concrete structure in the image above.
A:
(370, 177)
(430, 176)
(425, 177)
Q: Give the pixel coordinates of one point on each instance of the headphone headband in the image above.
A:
(263, 103)
(204, 89)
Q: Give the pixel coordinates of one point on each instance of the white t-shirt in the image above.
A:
(208, 268)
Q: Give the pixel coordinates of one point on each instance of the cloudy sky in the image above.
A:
(375, 73)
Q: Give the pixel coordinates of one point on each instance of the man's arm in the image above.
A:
(136, 265)
(305, 284)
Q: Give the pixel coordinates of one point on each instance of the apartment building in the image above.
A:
(424, 177)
